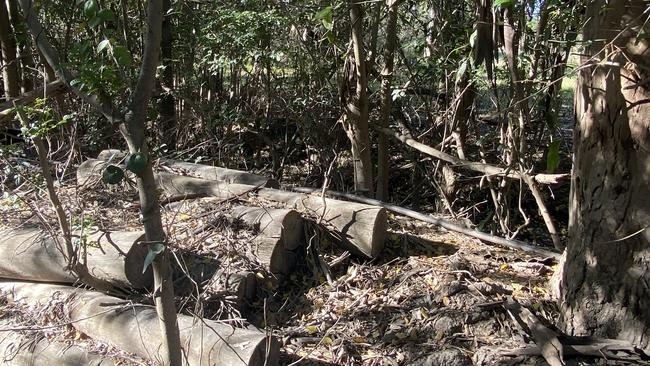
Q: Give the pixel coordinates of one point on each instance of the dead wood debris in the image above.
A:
(433, 297)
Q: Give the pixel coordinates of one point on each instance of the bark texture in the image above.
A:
(355, 119)
(386, 99)
(604, 289)
(10, 64)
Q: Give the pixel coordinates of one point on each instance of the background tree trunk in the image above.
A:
(24, 47)
(606, 274)
(167, 104)
(386, 98)
(356, 110)
(10, 64)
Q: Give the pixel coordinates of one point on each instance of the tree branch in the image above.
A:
(470, 165)
(530, 180)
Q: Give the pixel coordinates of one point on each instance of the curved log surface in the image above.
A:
(199, 170)
(116, 257)
(134, 328)
(360, 228)
(280, 235)
(22, 349)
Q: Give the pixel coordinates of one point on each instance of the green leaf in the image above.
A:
(122, 55)
(472, 38)
(462, 69)
(90, 8)
(504, 3)
(325, 13)
(329, 25)
(154, 250)
(102, 45)
(94, 22)
(325, 17)
(553, 156)
(330, 37)
(106, 15)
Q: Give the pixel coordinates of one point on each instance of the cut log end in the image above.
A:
(280, 234)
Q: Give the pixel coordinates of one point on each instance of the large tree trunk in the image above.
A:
(607, 270)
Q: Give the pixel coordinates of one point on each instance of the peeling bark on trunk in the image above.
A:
(604, 289)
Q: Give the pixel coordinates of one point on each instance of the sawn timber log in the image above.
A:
(134, 328)
(280, 235)
(20, 349)
(360, 228)
(200, 170)
(116, 257)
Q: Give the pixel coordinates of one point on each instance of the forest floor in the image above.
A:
(433, 297)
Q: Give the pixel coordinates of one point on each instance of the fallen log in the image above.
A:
(201, 170)
(27, 350)
(510, 243)
(219, 277)
(360, 228)
(115, 257)
(135, 328)
(90, 172)
(280, 234)
(219, 174)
